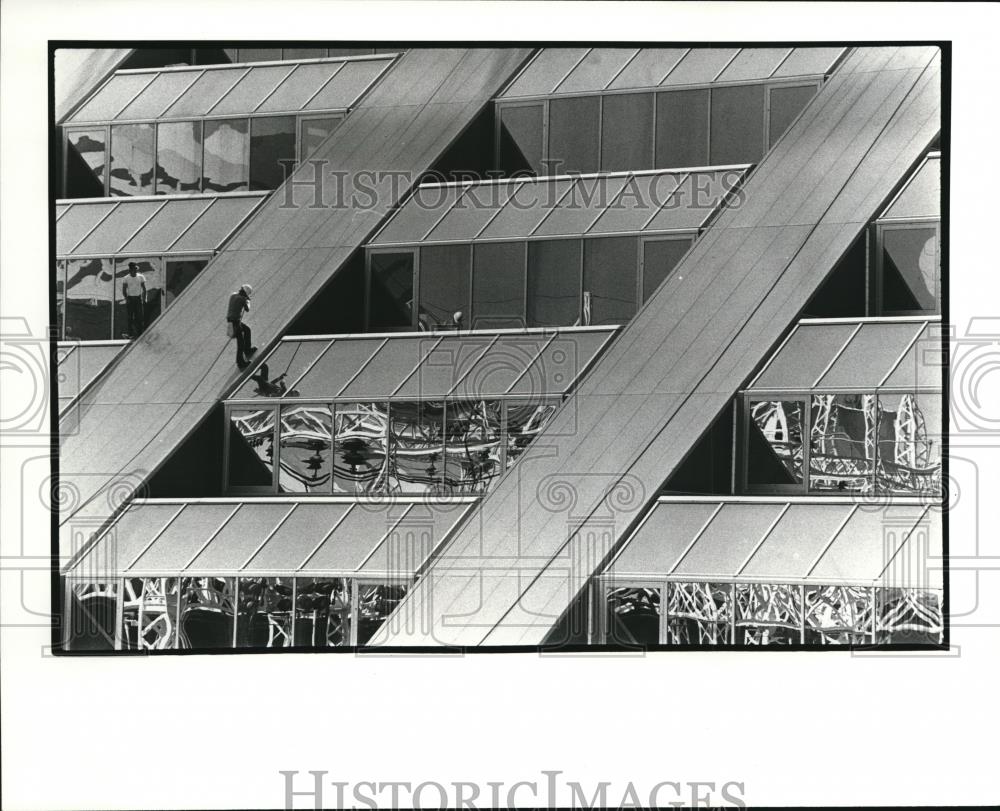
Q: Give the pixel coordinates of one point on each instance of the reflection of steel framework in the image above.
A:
(699, 613)
(905, 612)
(768, 614)
(774, 424)
(838, 615)
(913, 467)
(150, 613)
(830, 468)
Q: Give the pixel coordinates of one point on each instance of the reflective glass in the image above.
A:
(699, 613)
(737, 124)
(322, 612)
(627, 132)
(416, 446)
(264, 613)
(909, 443)
(150, 270)
(498, 285)
(610, 272)
(659, 258)
(574, 132)
(149, 613)
(60, 297)
(472, 446)
(521, 131)
(838, 615)
(179, 274)
(86, 156)
(842, 443)
(92, 616)
(88, 300)
(272, 151)
(359, 447)
(314, 132)
(251, 447)
(304, 449)
(910, 273)
(225, 167)
(768, 614)
(632, 616)
(444, 283)
(207, 612)
(553, 290)
(131, 160)
(785, 103)
(523, 424)
(178, 158)
(375, 603)
(774, 452)
(682, 129)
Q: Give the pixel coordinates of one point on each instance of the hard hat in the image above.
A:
(247, 289)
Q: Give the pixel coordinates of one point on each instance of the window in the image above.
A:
(627, 132)
(909, 273)
(737, 124)
(88, 300)
(390, 291)
(178, 158)
(313, 132)
(444, 283)
(554, 283)
(179, 274)
(359, 447)
(659, 258)
(498, 285)
(376, 601)
(92, 616)
(304, 449)
(131, 160)
(416, 446)
(610, 279)
(60, 297)
(86, 157)
(207, 612)
(842, 443)
(264, 612)
(521, 138)
(251, 449)
(784, 105)
(909, 443)
(272, 151)
(226, 145)
(632, 615)
(149, 269)
(574, 132)
(472, 446)
(523, 423)
(775, 431)
(322, 612)
(681, 129)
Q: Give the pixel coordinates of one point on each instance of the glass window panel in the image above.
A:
(909, 443)
(753, 63)
(774, 449)
(232, 547)
(85, 163)
(88, 300)
(179, 274)
(694, 201)
(215, 225)
(131, 160)
(737, 124)
(526, 208)
(545, 71)
(113, 96)
(426, 206)
(700, 66)
(150, 270)
(264, 612)
(347, 85)
(627, 132)
(659, 258)
(251, 90)
(682, 128)
(259, 55)
(92, 616)
(610, 272)
(304, 53)
(726, 541)
(272, 151)
(339, 52)
(909, 616)
(574, 132)
(315, 131)
(359, 447)
(390, 366)
(808, 61)
(337, 366)
(322, 612)
(768, 614)
(117, 228)
(648, 68)
(183, 538)
(443, 367)
(498, 285)
(355, 537)
(596, 70)
(639, 200)
(554, 283)
(785, 104)
(632, 615)
(178, 158)
(910, 271)
(158, 95)
(872, 352)
(163, 228)
(77, 222)
(500, 366)
(251, 447)
(60, 297)
(521, 131)
(582, 205)
(298, 88)
(198, 99)
(801, 360)
(699, 613)
(226, 147)
(472, 447)
(842, 443)
(472, 211)
(444, 283)
(390, 297)
(796, 541)
(558, 365)
(298, 537)
(304, 449)
(281, 368)
(207, 612)
(416, 446)
(375, 603)
(524, 422)
(149, 615)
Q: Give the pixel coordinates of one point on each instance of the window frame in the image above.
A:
(879, 227)
(690, 237)
(250, 490)
(805, 399)
(500, 106)
(372, 250)
(303, 119)
(769, 87)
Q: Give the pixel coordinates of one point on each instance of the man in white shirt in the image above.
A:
(134, 291)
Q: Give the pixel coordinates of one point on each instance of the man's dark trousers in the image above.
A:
(133, 305)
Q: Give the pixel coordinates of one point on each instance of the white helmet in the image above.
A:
(247, 289)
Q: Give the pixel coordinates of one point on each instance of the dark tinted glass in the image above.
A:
(553, 296)
(444, 283)
(272, 151)
(785, 104)
(658, 261)
(774, 443)
(86, 155)
(390, 298)
(909, 270)
(498, 285)
(681, 129)
(225, 167)
(88, 300)
(610, 268)
(521, 138)
(251, 447)
(132, 159)
(179, 274)
(573, 135)
(737, 124)
(178, 158)
(627, 132)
